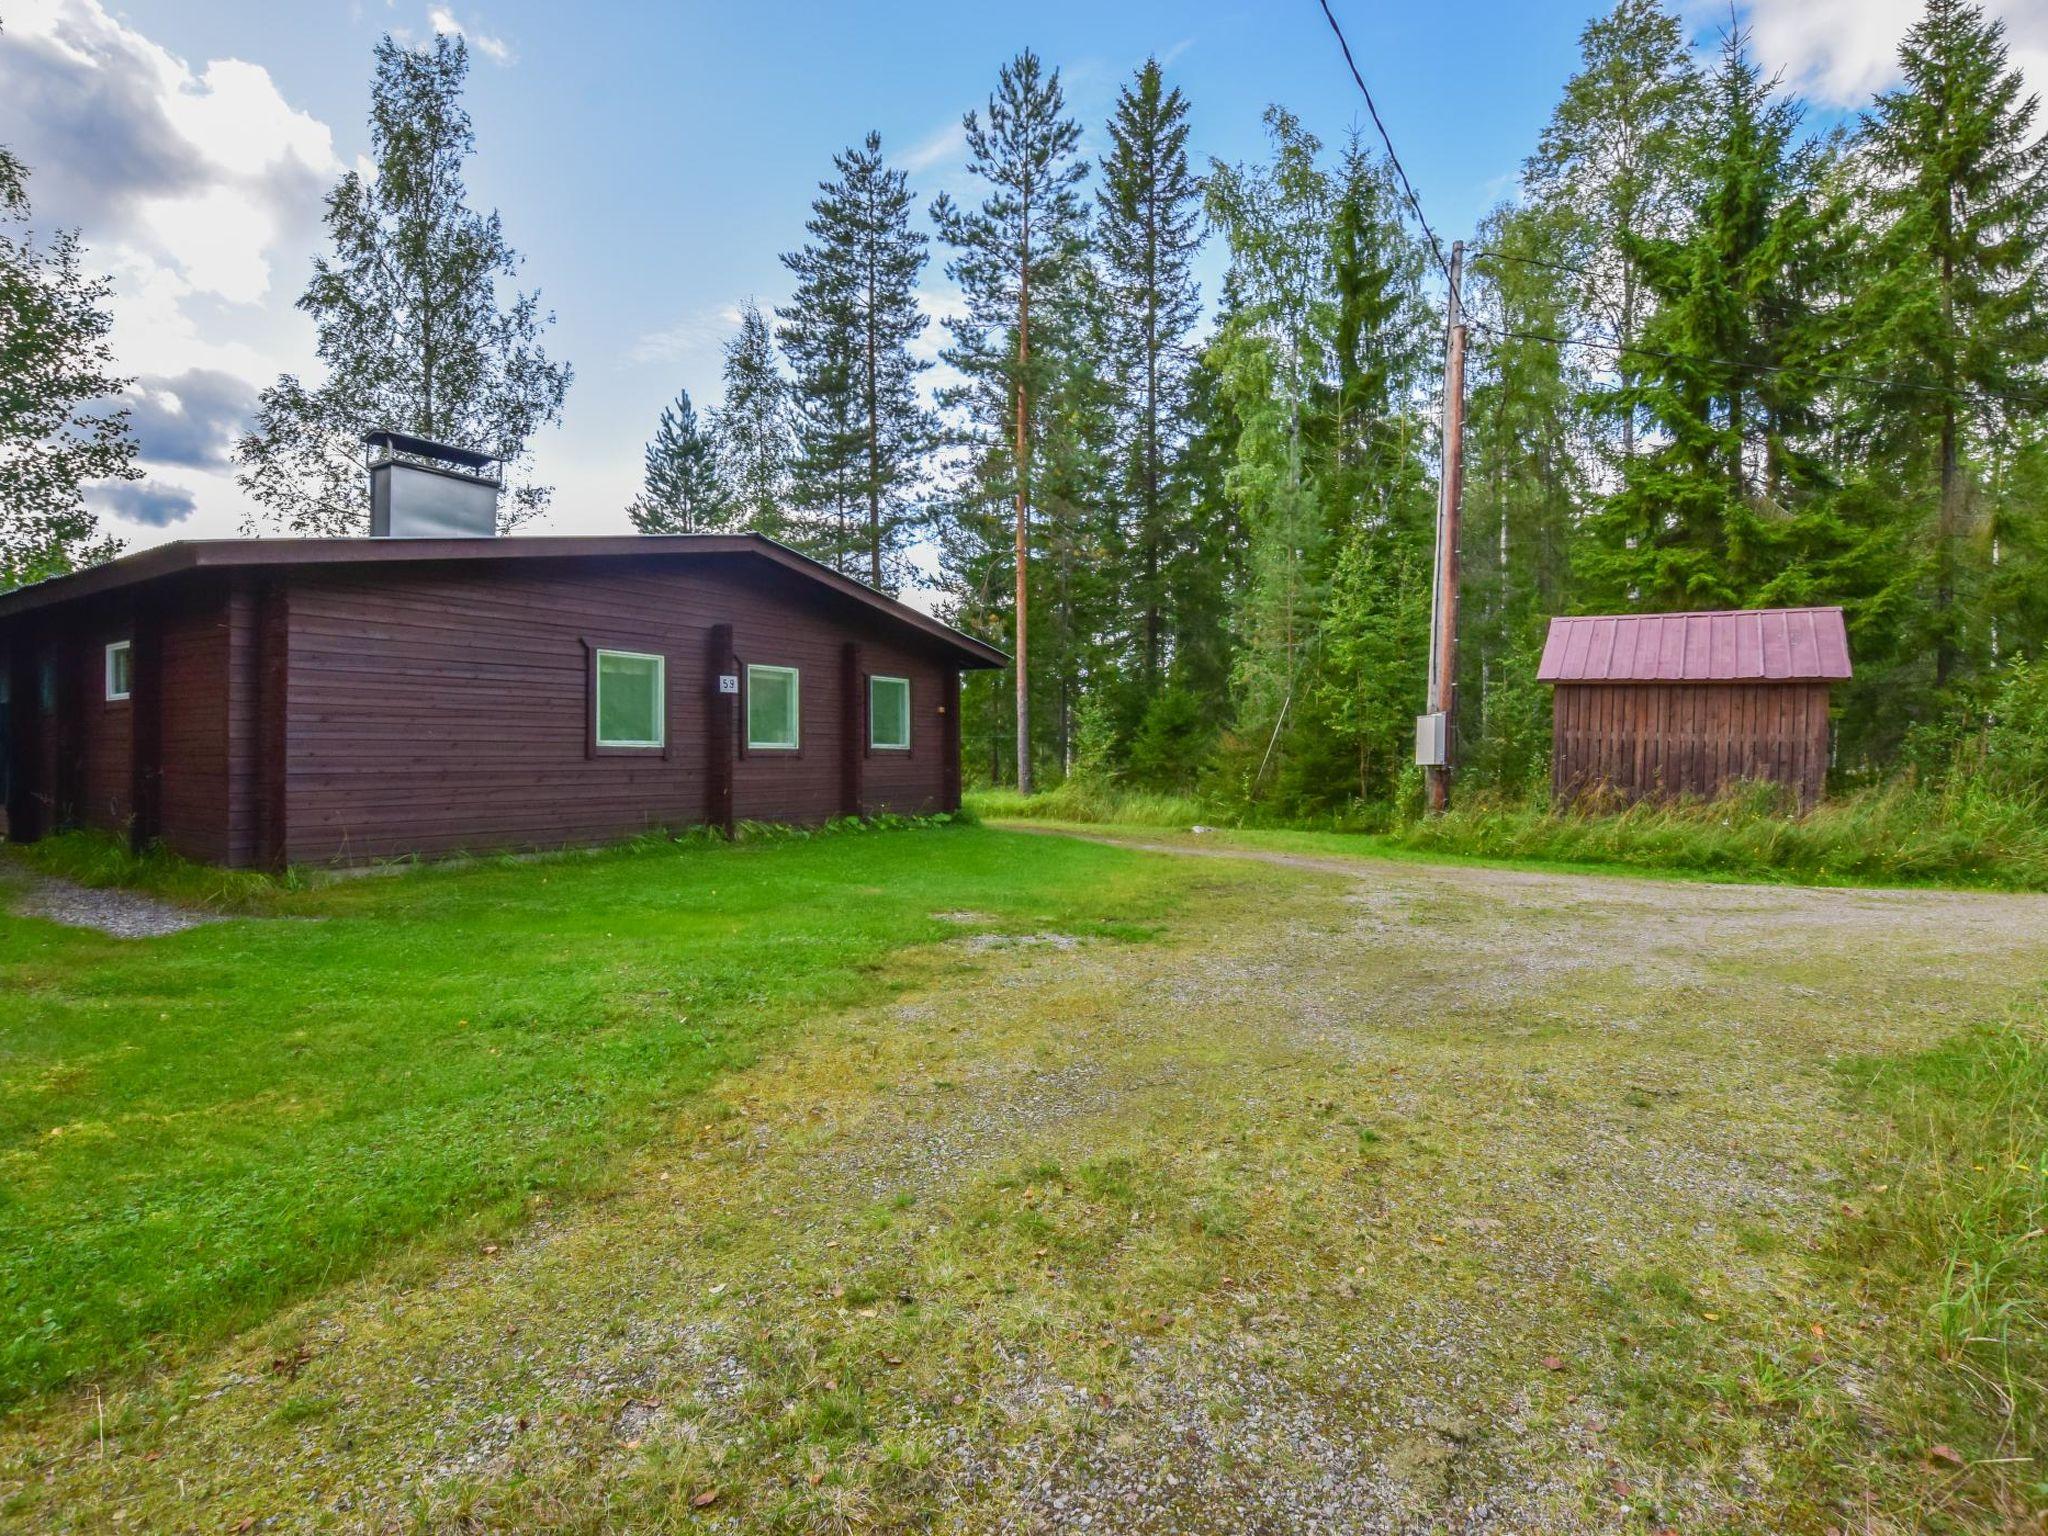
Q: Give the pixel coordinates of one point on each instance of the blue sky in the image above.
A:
(652, 161)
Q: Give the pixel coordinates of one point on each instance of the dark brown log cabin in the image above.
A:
(269, 702)
(1663, 705)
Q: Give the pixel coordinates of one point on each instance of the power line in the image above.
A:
(1407, 187)
(1538, 261)
(1822, 375)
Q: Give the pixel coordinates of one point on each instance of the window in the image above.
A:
(771, 707)
(889, 713)
(630, 695)
(120, 669)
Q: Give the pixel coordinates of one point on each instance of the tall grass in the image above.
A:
(1962, 832)
(96, 858)
(1078, 800)
(1955, 1243)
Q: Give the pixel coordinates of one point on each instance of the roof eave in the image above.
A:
(182, 557)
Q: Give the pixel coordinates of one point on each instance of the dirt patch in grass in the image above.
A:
(1370, 1198)
(118, 913)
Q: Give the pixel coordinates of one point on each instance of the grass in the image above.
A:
(1247, 1227)
(1950, 1229)
(1962, 834)
(196, 1129)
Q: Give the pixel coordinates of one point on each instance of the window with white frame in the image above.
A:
(631, 699)
(889, 714)
(772, 694)
(120, 669)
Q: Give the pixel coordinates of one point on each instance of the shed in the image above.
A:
(1658, 705)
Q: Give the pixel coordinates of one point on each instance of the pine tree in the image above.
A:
(1953, 315)
(55, 371)
(411, 326)
(680, 491)
(1019, 243)
(847, 331)
(753, 431)
(1146, 238)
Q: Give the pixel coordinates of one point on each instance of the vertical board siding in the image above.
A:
(1663, 740)
(444, 709)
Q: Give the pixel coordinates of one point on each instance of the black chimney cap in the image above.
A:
(427, 448)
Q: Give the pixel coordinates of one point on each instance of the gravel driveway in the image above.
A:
(1345, 1204)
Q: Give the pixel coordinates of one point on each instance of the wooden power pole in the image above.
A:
(1433, 730)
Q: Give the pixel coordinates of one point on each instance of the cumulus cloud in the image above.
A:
(150, 503)
(192, 418)
(202, 173)
(1839, 53)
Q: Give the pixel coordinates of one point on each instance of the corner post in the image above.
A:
(853, 732)
(721, 732)
(146, 723)
(949, 737)
(25, 791)
(273, 690)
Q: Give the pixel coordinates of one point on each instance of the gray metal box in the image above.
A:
(1429, 740)
(416, 501)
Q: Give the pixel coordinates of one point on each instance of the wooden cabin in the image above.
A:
(1661, 705)
(259, 702)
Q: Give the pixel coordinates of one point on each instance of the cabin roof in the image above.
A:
(268, 554)
(1753, 645)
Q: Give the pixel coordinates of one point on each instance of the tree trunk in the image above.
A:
(874, 444)
(1023, 512)
(1948, 523)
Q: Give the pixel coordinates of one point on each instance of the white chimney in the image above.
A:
(427, 490)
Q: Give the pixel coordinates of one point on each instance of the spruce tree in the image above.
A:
(412, 328)
(1725, 511)
(680, 491)
(56, 374)
(753, 430)
(1953, 315)
(847, 332)
(1008, 252)
(1147, 232)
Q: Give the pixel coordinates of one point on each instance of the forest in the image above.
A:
(1718, 359)
(1722, 354)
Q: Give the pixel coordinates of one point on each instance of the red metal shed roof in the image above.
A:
(1757, 645)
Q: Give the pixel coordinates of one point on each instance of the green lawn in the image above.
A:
(194, 1129)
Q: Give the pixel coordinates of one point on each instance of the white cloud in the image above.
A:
(690, 337)
(1839, 53)
(198, 191)
(444, 21)
(940, 148)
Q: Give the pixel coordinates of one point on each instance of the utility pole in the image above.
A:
(1433, 730)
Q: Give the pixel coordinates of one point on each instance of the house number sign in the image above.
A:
(728, 682)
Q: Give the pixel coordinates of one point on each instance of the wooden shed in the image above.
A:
(1658, 705)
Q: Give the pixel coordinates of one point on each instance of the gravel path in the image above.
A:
(121, 914)
(1324, 1213)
